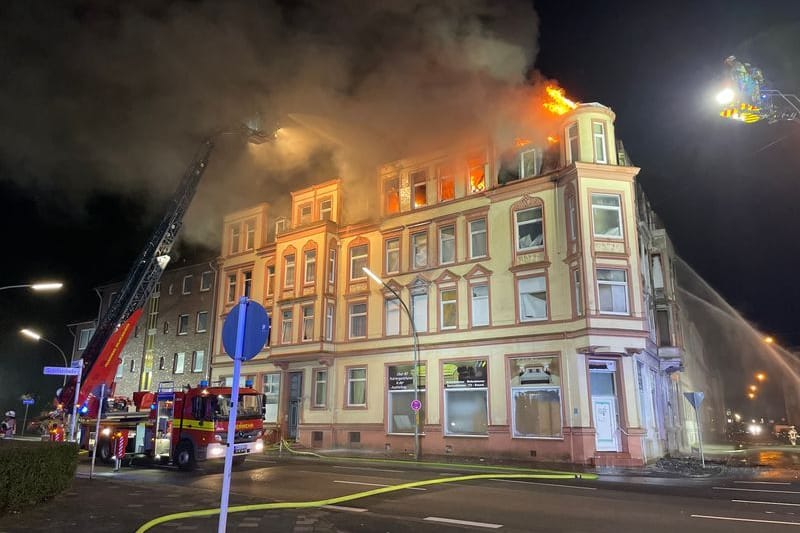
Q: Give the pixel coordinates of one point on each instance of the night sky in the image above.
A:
(101, 106)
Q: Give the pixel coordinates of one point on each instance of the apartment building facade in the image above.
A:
(523, 276)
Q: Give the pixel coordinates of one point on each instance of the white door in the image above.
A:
(605, 423)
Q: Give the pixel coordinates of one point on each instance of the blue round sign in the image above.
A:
(256, 330)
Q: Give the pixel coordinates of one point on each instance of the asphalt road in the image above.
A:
(612, 503)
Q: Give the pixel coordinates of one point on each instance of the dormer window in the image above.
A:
(305, 214)
(573, 148)
(325, 209)
(280, 225)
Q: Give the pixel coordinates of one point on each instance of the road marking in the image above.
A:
(764, 482)
(462, 522)
(767, 503)
(342, 508)
(368, 468)
(745, 520)
(372, 484)
(758, 490)
(547, 484)
(256, 459)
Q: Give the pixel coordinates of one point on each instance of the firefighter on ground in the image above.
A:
(793, 436)
(9, 425)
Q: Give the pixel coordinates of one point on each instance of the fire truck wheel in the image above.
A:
(184, 455)
(239, 460)
(104, 451)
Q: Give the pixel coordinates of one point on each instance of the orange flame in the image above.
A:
(558, 104)
(520, 142)
(552, 139)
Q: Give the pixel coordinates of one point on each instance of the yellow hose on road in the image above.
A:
(350, 497)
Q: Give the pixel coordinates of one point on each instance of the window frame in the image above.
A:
(518, 282)
(349, 381)
(418, 179)
(315, 382)
(391, 192)
(206, 281)
(351, 315)
(472, 305)
(230, 293)
(310, 266)
(330, 320)
(302, 218)
(235, 238)
(322, 210)
(195, 358)
(617, 208)
(387, 302)
(332, 265)
(247, 283)
(386, 254)
(88, 333)
(197, 323)
(289, 267)
(356, 273)
(445, 172)
(249, 235)
(287, 312)
(453, 303)
(572, 156)
(577, 292)
(270, 289)
(624, 284)
(473, 233)
(603, 136)
(183, 324)
(186, 284)
(537, 162)
(418, 293)
(413, 251)
(533, 221)
(179, 356)
(306, 320)
(453, 239)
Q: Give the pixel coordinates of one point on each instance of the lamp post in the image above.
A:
(35, 336)
(39, 287)
(415, 376)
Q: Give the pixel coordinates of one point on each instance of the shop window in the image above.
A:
(535, 397)
(401, 394)
(466, 409)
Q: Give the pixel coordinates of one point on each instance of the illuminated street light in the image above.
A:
(753, 388)
(44, 286)
(35, 336)
(751, 395)
(769, 340)
(726, 96)
(415, 376)
(761, 376)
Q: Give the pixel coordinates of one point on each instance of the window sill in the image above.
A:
(458, 436)
(421, 434)
(561, 438)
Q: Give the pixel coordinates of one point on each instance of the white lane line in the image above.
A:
(547, 484)
(767, 503)
(729, 518)
(372, 484)
(368, 468)
(758, 490)
(763, 482)
(463, 522)
(341, 508)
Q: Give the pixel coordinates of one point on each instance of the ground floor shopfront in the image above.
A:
(563, 405)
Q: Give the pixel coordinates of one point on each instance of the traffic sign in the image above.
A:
(61, 371)
(416, 405)
(256, 330)
(695, 398)
(27, 401)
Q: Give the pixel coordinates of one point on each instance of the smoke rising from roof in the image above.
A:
(115, 97)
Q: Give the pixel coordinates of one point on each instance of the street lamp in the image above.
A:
(415, 375)
(761, 376)
(769, 340)
(35, 336)
(39, 287)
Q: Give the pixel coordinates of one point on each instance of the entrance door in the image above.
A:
(295, 397)
(602, 378)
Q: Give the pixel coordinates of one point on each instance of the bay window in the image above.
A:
(607, 215)
(612, 289)
(599, 140)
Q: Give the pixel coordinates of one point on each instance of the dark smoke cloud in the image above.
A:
(115, 96)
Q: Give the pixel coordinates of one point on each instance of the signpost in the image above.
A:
(244, 334)
(696, 399)
(27, 402)
(77, 365)
(97, 428)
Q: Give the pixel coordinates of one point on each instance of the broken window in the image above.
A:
(391, 195)
(530, 234)
(477, 173)
(419, 182)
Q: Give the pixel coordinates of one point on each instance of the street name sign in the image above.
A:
(61, 371)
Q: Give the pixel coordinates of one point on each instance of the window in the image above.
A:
(320, 398)
(599, 140)
(356, 387)
(391, 195)
(286, 326)
(288, 269)
(235, 238)
(612, 288)
(392, 265)
(358, 260)
(270, 280)
(530, 163)
(448, 308)
(280, 225)
(419, 249)
(187, 285)
(120, 369)
(477, 173)
(133, 365)
(310, 266)
(447, 244)
(529, 229)
(305, 214)
(573, 153)
(247, 282)
(392, 317)
(401, 394)
(419, 311)
(577, 286)
(535, 385)
(308, 323)
(358, 320)
(662, 320)
(447, 183)
(202, 321)
(206, 280)
(607, 215)
(466, 407)
(162, 363)
(480, 305)
(419, 191)
(331, 266)
(179, 363)
(86, 336)
(198, 360)
(329, 312)
(272, 393)
(572, 215)
(183, 324)
(477, 238)
(532, 299)
(325, 209)
(250, 235)
(231, 295)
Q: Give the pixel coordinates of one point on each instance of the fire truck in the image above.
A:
(182, 426)
(178, 426)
